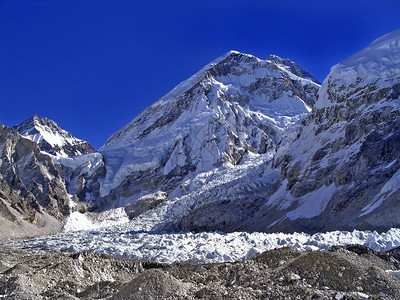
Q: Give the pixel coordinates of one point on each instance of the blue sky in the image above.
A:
(92, 66)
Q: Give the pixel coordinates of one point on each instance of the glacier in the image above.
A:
(203, 247)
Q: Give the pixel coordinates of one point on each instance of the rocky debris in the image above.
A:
(292, 277)
(276, 274)
(392, 256)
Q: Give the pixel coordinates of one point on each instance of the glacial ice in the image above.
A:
(202, 247)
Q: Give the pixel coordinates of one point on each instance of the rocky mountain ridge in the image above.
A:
(33, 195)
(41, 181)
(52, 139)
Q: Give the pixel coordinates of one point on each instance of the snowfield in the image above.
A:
(202, 247)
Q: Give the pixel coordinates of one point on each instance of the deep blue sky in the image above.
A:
(92, 66)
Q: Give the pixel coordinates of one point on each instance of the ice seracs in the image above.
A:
(204, 247)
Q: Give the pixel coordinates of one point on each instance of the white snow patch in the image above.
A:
(394, 273)
(77, 221)
(313, 204)
(388, 189)
(393, 184)
(309, 206)
(281, 197)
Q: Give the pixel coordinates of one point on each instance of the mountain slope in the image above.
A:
(235, 107)
(45, 173)
(33, 196)
(342, 171)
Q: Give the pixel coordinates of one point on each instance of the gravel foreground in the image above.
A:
(350, 272)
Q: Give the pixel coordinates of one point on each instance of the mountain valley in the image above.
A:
(248, 155)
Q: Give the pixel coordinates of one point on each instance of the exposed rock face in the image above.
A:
(31, 184)
(145, 203)
(39, 189)
(277, 274)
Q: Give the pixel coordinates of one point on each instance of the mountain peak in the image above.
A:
(292, 67)
(232, 52)
(345, 160)
(377, 65)
(234, 107)
(51, 138)
(391, 36)
(35, 120)
(236, 55)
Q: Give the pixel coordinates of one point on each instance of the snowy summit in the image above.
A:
(52, 139)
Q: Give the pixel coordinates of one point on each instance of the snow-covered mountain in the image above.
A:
(52, 139)
(338, 170)
(33, 195)
(45, 174)
(244, 144)
(234, 108)
(342, 171)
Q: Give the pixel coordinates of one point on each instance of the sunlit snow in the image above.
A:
(379, 63)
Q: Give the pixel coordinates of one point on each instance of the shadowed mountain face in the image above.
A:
(341, 171)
